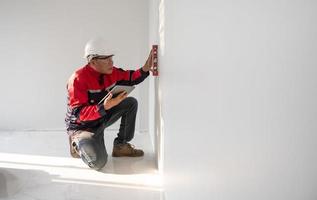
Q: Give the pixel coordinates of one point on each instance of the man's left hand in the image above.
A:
(148, 65)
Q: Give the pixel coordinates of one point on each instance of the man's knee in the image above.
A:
(133, 102)
(95, 158)
(95, 161)
(98, 163)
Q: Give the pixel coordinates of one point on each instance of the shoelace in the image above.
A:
(132, 147)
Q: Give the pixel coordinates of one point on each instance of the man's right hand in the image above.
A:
(111, 102)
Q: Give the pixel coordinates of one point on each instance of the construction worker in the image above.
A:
(86, 119)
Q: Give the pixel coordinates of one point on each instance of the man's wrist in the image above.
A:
(102, 110)
(144, 69)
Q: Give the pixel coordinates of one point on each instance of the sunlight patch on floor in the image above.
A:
(75, 171)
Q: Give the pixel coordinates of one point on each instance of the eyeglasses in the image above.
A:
(102, 57)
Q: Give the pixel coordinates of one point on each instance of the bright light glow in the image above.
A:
(162, 26)
(160, 123)
(72, 170)
(109, 185)
(161, 152)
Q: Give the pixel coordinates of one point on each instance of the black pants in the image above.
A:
(91, 145)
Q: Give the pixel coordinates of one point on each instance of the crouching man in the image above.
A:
(86, 119)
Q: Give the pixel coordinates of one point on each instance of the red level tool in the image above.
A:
(155, 60)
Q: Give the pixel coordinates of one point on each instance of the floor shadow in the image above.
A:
(21, 184)
(129, 165)
(14, 181)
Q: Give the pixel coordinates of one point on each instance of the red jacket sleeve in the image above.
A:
(130, 77)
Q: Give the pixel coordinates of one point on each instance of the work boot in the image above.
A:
(127, 150)
(73, 148)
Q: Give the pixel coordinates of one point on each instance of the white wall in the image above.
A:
(42, 43)
(238, 82)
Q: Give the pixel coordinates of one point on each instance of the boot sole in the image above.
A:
(114, 155)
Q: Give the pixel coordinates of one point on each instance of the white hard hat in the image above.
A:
(96, 47)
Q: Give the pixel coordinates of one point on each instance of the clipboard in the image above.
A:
(116, 90)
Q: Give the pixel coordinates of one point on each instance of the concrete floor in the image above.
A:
(37, 165)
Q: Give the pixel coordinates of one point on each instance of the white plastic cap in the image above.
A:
(97, 47)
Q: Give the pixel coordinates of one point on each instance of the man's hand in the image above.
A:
(111, 102)
(148, 64)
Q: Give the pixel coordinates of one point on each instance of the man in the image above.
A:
(86, 119)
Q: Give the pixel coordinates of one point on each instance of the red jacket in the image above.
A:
(86, 87)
